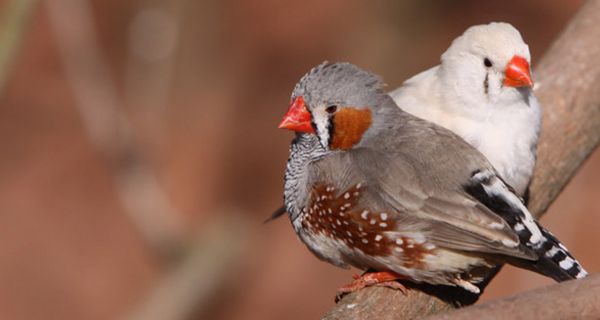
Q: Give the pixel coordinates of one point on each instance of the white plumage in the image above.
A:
(468, 95)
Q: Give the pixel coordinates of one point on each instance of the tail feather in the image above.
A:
(555, 261)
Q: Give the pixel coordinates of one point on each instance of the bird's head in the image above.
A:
(488, 63)
(337, 102)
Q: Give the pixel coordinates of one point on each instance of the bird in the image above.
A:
(483, 91)
(371, 186)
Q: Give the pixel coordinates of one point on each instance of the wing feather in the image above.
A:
(454, 219)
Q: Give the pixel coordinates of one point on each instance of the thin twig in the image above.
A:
(15, 22)
(107, 125)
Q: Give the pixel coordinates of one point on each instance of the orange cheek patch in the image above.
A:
(349, 126)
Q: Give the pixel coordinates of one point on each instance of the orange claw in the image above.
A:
(380, 279)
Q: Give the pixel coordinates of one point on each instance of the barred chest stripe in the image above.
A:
(304, 149)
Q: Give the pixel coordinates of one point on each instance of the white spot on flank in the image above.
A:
(399, 241)
(365, 241)
(373, 221)
(398, 249)
(364, 214)
(358, 185)
(347, 205)
(384, 216)
(323, 197)
(383, 224)
(346, 195)
(351, 306)
(378, 237)
(339, 223)
(349, 233)
(419, 238)
(429, 246)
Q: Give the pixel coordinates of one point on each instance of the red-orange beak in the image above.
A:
(517, 73)
(297, 118)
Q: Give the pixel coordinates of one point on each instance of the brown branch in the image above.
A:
(567, 300)
(569, 90)
(568, 79)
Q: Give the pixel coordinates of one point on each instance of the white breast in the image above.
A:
(506, 135)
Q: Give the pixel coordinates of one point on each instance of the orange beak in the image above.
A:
(297, 118)
(517, 73)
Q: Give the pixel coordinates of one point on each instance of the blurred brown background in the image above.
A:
(140, 153)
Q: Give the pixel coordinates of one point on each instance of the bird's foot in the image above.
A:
(368, 279)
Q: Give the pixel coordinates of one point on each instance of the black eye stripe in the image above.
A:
(486, 84)
(312, 120)
(331, 128)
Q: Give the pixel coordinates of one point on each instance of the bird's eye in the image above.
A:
(331, 109)
(487, 62)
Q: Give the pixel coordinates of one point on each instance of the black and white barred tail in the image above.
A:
(554, 260)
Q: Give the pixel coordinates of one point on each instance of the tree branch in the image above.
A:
(568, 300)
(569, 90)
